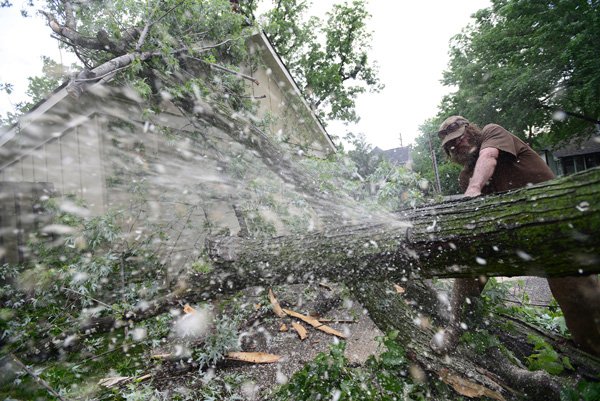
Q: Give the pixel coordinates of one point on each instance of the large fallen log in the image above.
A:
(545, 230)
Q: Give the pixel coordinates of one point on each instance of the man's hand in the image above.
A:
(471, 192)
(484, 169)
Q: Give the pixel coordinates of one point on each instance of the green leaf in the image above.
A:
(520, 61)
(545, 357)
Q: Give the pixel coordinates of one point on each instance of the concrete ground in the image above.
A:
(265, 335)
(536, 288)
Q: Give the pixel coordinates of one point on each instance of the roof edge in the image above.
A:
(261, 33)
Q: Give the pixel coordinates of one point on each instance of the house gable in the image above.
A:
(280, 102)
(400, 156)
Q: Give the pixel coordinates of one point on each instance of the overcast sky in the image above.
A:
(410, 44)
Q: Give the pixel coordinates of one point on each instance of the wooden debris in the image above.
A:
(417, 374)
(37, 379)
(399, 290)
(275, 304)
(468, 388)
(302, 333)
(187, 309)
(253, 357)
(423, 322)
(326, 320)
(160, 356)
(283, 328)
(114, 381)
(144, 377)
(109, 382)
(314, 323)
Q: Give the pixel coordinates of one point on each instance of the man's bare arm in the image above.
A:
(484, 168)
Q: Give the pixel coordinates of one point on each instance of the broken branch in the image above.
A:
(37, 379)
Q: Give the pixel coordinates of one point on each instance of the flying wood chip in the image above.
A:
(314, 323)
(253, 357)
(188, 309)
(468, 388)
(399, 290)
(114, 381)
(302, 333)
(275, 304)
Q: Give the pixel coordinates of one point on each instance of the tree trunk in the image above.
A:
(544, 230)
(547, 230)
(414, 314)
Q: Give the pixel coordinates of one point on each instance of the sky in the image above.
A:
(410, 45)
(24, 41)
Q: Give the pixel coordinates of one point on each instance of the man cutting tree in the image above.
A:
(494, 160)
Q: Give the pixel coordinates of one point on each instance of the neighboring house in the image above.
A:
(104, 150)
(574, 158)
(397, 156)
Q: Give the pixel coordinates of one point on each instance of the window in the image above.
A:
(575, 164)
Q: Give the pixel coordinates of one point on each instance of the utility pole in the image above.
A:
(435, 167)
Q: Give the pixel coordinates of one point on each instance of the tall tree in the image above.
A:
(328, 57)
(39, 87)
(361, 153)
(531, 66)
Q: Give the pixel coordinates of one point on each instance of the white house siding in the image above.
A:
(52, 152)
(71, 162)
(36, 165)
(77, 149)
(279, 101)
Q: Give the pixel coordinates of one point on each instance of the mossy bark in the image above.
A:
(414, 315)
(544, 230)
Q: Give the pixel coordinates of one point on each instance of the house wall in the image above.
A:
(280, 104)
(70, 160)
(102, 151)
(21, 213)
(167, 175)
(36, 166)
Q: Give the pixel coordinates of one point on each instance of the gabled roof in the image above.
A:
(592, 145)
(34, 113)
(397, 156)
(60, 93)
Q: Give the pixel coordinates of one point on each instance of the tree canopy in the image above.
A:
(160, 49)
(329, 57)
(167, 47)
(531, 66)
